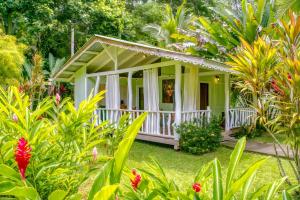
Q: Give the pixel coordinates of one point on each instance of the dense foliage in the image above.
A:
(270, 70)
(199, 139)
(11, 59)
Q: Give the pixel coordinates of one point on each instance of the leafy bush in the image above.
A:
(61, 139)
(200, 139)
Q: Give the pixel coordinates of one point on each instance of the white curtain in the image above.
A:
(151, 99)
(191, 89)
(112, 97)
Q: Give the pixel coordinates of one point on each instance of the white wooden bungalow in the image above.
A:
(172, 87)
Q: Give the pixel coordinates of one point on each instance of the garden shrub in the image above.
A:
(198, 140)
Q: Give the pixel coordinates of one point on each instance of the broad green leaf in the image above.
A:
(57, 195)
(10, 173)
(234, 160)
(102, 179)
(6, 186)
(22, 192)
(240, 182)
(106, 193)
(247, 186)
(125, 146)
(217, 181)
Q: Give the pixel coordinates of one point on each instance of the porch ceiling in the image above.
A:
(102, 53)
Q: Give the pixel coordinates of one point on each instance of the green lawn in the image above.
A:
(182, 167)
(266, 138)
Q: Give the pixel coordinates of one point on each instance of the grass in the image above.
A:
(182, 167)
(267, 138)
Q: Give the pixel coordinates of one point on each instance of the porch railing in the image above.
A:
(199, 117)
(241, 116)
(159, 123)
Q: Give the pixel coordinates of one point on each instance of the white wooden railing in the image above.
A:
(241, 116)
(160, 123)
(200, 117)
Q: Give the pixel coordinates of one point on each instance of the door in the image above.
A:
(141, 98)
(204, 96)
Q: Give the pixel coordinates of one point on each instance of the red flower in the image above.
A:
(276, 88)
(197, 187)
(62, 89)
(136, 179)
(57, 98)
(22, 156)
(289, 77)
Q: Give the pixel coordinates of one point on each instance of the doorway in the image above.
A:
(140, 99)
(204, 96)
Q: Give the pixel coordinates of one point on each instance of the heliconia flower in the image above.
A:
(22, 156)
(15, 118)
(57, 98)
(197, 187)
(136, 179)
(95, 153)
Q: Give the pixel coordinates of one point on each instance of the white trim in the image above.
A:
(178, 104)
(227, 106)
(211, 73)
(133, 69)
(97, 85)
(129, 81)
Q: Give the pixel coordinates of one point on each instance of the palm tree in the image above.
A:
(164, 32)
(236, 19)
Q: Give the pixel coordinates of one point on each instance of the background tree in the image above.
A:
(11, 59)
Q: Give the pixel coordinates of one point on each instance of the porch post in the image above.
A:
(129, 80)
(227, 99)
(97, 85)
(80, 87)
(177, 98)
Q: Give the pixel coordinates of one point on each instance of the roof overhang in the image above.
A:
(103, 53)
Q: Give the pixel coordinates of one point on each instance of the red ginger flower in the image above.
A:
(22, 156)
(197, 187)
(136, 179)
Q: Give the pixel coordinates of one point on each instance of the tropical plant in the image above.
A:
(54, 64)
(240, 19)
(58, 139)
(170, 25)
(256, 64)
(285, 86)
(269, 70)
(152, 182)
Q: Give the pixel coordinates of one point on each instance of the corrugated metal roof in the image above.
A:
(94, 47)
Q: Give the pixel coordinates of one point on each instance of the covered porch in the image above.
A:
(172, 87)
